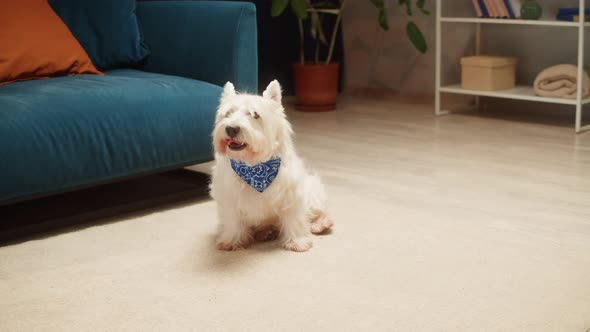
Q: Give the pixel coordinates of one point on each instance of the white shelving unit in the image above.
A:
(520, 92)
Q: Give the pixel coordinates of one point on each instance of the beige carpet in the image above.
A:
(459, 223)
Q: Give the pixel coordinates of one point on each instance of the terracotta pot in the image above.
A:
(316, 87)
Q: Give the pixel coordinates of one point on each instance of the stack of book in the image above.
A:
(571, 14)
(497, 8)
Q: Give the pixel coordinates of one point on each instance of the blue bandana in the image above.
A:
(259, 176)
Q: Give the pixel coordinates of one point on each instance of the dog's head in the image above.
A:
(251, 128)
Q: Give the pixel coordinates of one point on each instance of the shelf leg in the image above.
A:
(437, 110)
(579, 106)
(579, 127)
(477, 38)
(477, 52)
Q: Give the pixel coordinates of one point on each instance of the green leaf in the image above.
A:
(416, 37)
(278, 7)
(420, 5)
(408, 7)
(382, 18)
(383, 22)
(380, 4)
(299, 8)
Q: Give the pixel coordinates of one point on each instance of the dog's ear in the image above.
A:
(228, 90)
(273, 91)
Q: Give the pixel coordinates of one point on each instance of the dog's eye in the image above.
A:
(229, 112)
(256, 116)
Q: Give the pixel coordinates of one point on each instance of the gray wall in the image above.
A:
(377, 59)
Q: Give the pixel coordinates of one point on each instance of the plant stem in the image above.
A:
(317, 52)
(301, 42)
(334, 33)
(318, 43)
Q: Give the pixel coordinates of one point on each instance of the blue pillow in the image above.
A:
(108, 30)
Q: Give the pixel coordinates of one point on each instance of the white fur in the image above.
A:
(295, 202)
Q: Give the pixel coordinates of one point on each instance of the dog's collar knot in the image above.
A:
(259, 176)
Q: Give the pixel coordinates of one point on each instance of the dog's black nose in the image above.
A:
(232, 132)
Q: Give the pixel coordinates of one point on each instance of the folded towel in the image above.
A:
(561, 81)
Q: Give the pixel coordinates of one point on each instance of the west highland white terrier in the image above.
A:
(261, 186)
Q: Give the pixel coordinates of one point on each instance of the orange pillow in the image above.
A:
(35, 43)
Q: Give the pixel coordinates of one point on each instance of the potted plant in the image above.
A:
(316, 81)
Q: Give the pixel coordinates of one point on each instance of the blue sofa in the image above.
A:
(65, 133)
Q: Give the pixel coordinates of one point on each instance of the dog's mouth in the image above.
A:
(235, 145)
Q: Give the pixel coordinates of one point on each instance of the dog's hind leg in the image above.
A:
(315, 197)
(320, 221)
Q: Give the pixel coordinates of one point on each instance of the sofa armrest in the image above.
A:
(212, 41)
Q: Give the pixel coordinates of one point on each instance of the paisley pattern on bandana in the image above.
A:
(259, 176)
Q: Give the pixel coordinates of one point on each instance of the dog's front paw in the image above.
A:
(229, 246)
(299, 244)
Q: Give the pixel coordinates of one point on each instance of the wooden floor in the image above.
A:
(517, 165)
(467, 222)
(507, 180)
(509, 188)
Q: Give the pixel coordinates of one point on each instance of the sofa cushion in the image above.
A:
(35, 43)
(67, 132)
(107, 29)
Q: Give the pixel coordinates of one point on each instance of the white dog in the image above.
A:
(261, 186)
